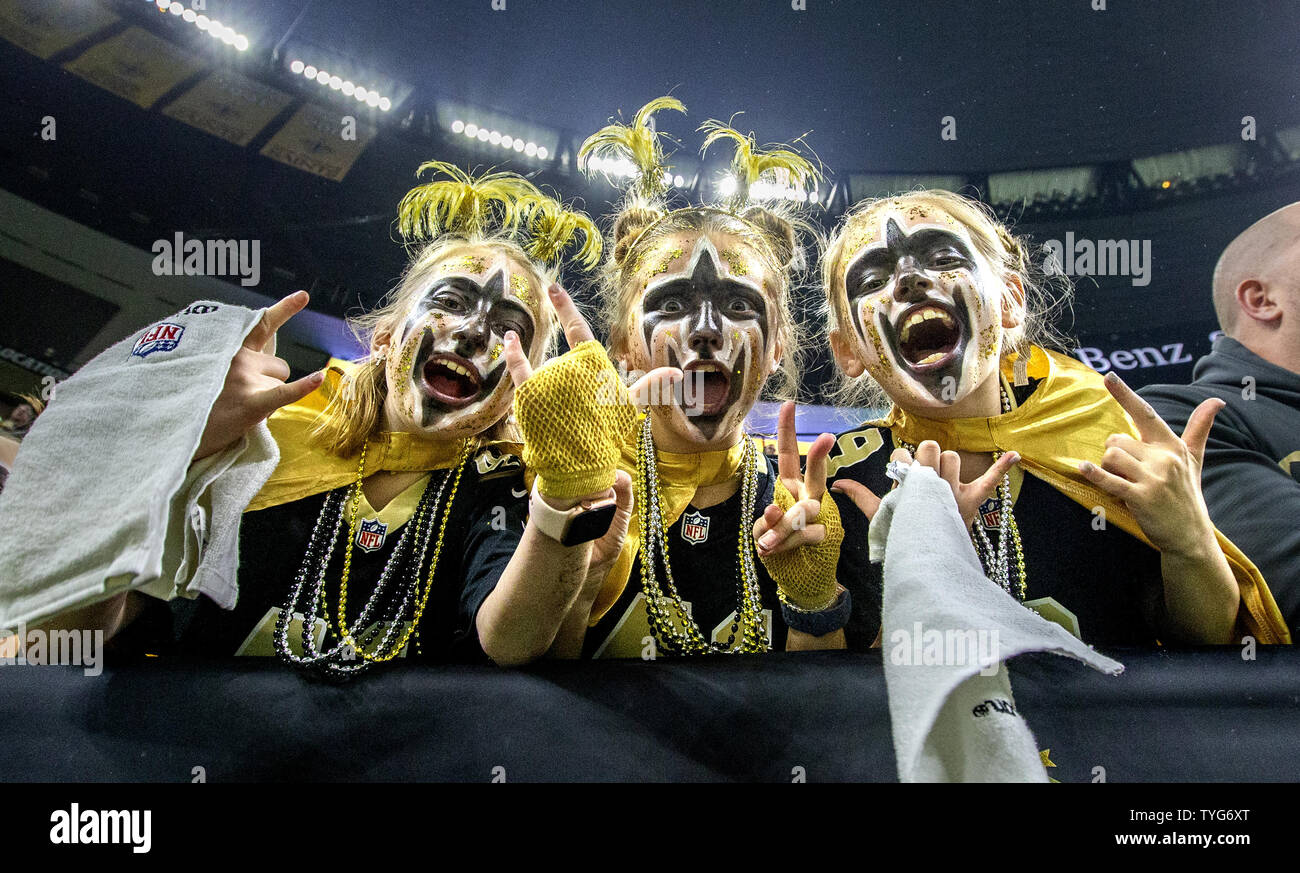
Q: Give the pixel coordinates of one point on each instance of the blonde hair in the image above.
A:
(1045, 295)
(355, 412)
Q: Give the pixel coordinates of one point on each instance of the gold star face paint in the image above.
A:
(446, 373)
(709, 315)
(925, 306)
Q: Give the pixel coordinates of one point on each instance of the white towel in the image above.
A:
(103, 496)
(946, 632)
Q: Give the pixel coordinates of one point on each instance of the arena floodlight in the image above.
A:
(342, 74)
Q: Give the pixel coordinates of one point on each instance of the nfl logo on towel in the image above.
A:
(371, 535)
(695, 527)
(160, 338)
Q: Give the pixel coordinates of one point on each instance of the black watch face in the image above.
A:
(591, 525)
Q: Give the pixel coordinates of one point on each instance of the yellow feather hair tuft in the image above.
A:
(637, 142)
(749, 163)
(503, 202)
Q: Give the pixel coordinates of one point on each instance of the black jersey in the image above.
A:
(1093, 578)
(703, 550)
(481, 533)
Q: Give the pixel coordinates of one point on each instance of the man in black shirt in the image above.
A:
(1251, 477)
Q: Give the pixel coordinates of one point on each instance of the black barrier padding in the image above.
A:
(1185, 715)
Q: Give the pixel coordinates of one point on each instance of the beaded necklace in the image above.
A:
(373, 628)
(997, 562)
(650, 513)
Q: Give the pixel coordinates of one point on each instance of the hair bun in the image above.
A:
(779, 230)
(628, 226)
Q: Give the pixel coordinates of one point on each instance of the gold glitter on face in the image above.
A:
(472, 264)
(496, 351)
(520, 286)
(669, 256)
(735, 262)
(404, 365)
(974, 286)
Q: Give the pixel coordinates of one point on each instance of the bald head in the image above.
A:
(1269, 252)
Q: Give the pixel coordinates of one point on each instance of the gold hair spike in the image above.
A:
(552, 228)
(461, 204)
(749, 162)
(474, 207)
(638, 142)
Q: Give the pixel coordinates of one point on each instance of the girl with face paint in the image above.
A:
(722, 550)
(933, 307)
(396, 522)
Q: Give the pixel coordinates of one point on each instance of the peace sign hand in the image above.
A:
(799, 536)
(781, 529)
(255, 384)
(1158, 477)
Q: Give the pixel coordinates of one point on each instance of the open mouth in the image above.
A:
(451, 380)
(929, 337)
(708, 386)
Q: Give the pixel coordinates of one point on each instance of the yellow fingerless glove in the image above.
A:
(575, 415)
(806, 575)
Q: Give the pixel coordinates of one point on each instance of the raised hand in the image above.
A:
(256, 383)
(656, 383)
(1158, 477)
(574, 412)
(969, 495)
(780, 530)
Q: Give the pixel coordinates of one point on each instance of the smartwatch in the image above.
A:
(585, 522)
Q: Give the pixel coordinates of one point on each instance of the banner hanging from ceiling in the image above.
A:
(135, 65)
(320, 140)
(229, 105)
(46, 27)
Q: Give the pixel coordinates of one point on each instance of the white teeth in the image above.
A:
(456, 368)
(921, 316)
(931, 358)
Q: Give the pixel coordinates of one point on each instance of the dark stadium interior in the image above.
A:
(1083, 95)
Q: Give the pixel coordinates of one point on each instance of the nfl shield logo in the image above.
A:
(371, 535)
(160, 338)
(695, 527)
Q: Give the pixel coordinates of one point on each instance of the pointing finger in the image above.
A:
(1198, 427)
(516, 361)
(1150, 426)
(787, 443)
(272, 399)
(273, 318)
(985, 485)
(814, 481)
(576, 330)
(862, 496)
